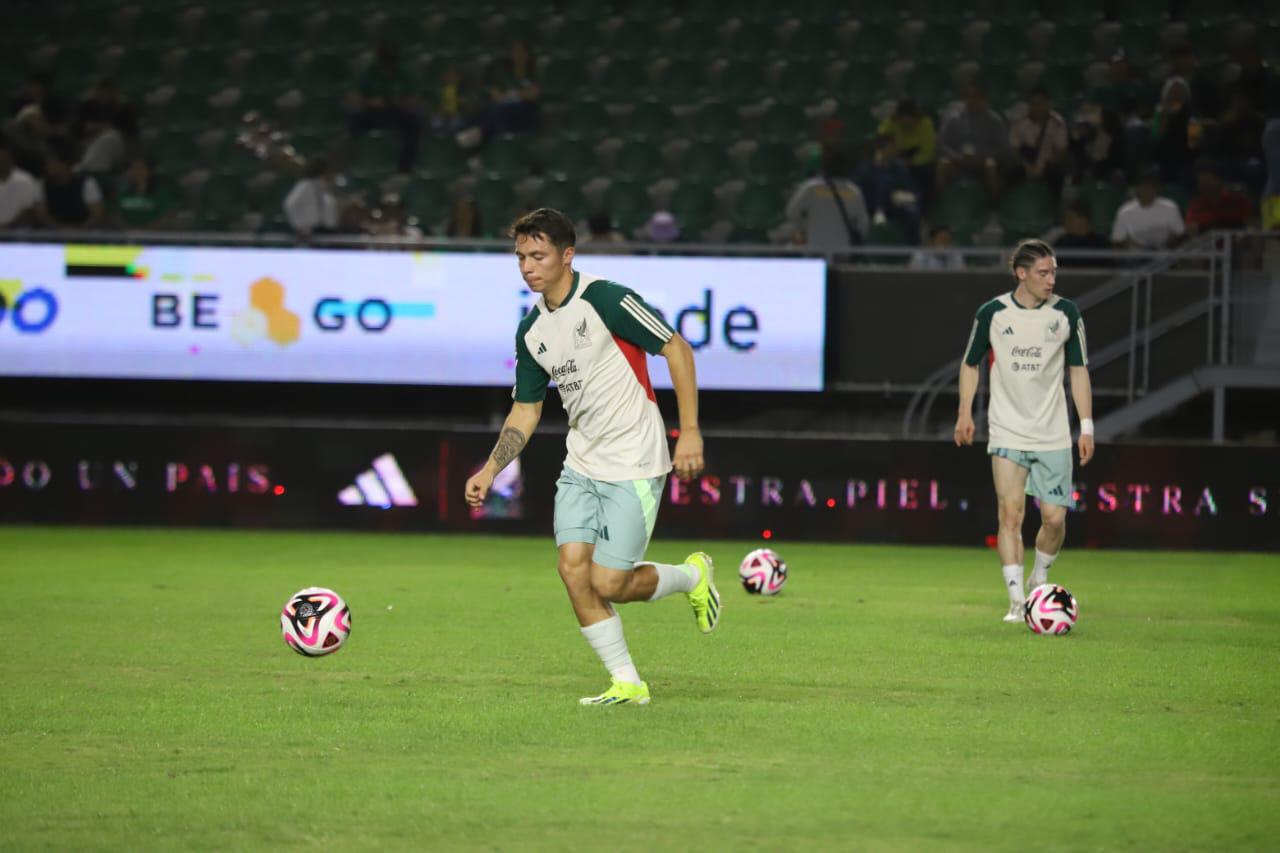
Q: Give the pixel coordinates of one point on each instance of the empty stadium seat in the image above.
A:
(774, 162)
(694, 206)
(963, 208)
(759, 207)
(627, 202)
(563, 195)
(1027, 210)
(638, 160)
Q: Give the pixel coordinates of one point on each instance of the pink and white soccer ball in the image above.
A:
(763, 572)
(315, 621)
(1050, 609)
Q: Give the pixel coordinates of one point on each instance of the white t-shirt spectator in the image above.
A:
(104, 153)
(814, 210)
(18, 193)
(311, 205)
(1148, 227)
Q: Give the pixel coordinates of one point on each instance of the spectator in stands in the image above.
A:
(887, 187)
(70, 199)
(36, 127)
(940, 255)
(513, 93)
(383, 100)
(449, 106)
(1097, 143)
(1215, 205)
(1078, 231)
(36, 87)
(464, 219)
(828, 211)
(1271, 192)
(101, 118)
(104, 122)
(662, 227)
(974, 142)
(1124, 92)
(311, 206)
(1149, 221)
(1174, 133)
(390, 219)
(1237, 141)
(1255, 76)
(1206, 89)
(144, 200)
(601, 231)
(19, 192)
(1039, 141)
(914, 135)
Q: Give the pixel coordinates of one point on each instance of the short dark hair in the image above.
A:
(1027, 252)
(1080, 207)
(600, 222)
(62, 150)
(547, 223)
(316, 167)
(834, 164)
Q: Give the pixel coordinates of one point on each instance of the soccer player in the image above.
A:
(1032, 333)
(590, 337)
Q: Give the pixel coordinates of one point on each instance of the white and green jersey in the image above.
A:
(593, 347)
(1028, 409)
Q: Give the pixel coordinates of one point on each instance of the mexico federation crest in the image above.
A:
(581, 337)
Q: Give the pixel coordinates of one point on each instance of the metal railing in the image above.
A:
(1213, 249)
(890, 256)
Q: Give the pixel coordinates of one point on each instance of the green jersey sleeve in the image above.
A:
(980, 336)
(531, 379)
(1077, 349)
(626, 315)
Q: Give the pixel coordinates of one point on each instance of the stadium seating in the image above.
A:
(730, 94)
(1027, 210)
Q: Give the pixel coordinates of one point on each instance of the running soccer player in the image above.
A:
(1032, 334)
(590, 337)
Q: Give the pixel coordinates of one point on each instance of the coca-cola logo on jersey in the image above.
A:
(560, 371)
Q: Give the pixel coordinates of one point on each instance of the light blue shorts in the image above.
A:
(615, 517)
(1048, 473)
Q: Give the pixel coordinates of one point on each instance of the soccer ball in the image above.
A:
(315, 621)
(762, 572)
(1050, 609)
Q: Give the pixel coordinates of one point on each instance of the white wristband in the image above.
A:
(1086, 426)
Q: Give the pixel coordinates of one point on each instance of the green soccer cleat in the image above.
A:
(620, 693)
(705, 598)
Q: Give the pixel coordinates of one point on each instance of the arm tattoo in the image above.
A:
(510, 443)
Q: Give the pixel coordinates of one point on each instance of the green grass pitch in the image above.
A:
(148, 702)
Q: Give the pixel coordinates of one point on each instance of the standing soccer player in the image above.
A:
(590, 337)
(1032, 334)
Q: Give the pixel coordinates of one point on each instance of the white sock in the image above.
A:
(1013, 582)
(682, 578)
(1040, 573)
(606, 638)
